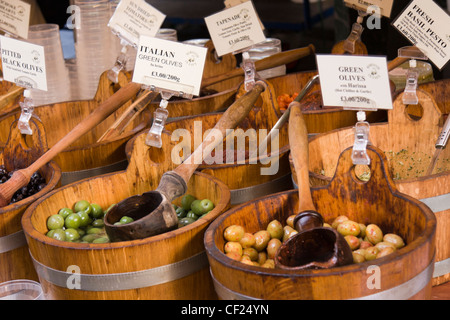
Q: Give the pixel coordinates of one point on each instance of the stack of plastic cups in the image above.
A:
(167, 34)
(116, 47)
(92, 45)
(264, 50)
(58, 81)
(71, 65)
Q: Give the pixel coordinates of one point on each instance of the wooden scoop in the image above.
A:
(152, 211)
(21, 177)
(314, 246)
(273, 61)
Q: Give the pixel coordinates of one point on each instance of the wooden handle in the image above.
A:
(21, 177)
(273, 61)
(229, 120)
(396, 62)
(298, 142)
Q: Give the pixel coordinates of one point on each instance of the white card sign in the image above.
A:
(427, 26)
(169, 65)
(133, 18)
(235, 28)
(354, 82)
(23, 63)
(15, 17)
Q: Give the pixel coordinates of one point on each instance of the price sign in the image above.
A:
(354, 82)
(15, 17)
(426, 25)
(169, 65)
(23, 63)
(133, 18)
(235, 28)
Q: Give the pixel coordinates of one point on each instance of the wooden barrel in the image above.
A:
(10, 95)
(17, 154)
(170, 266)
(409, 145)
(85, 157)
(318, 118)
(252, 177)
(404, 274)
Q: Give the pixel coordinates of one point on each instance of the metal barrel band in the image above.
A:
(72, 176)
(12, 241)
(126, 280)
(239, 196)
(403, 291)
(441, 268)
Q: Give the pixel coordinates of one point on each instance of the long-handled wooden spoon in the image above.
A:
(21, 177)
(314, 246)
(152, 211)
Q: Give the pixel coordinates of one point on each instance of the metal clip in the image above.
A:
(27, 107)
(412, 76)
(121, 62)
(160, 116)
(249, 71)
(355, 34)
(359, 154)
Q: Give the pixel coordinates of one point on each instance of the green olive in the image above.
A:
(59, 234)
(353, 242)
(262, 238)
(381, 245)
(374, 233)
(73, 221)
(358, 257)
(348, 228)
(55, 221)
(338, 220)
(185, 221)
(89, 237)
(64, 212)
(101, 240)
(85, 218)
(232, 246)
(94, 230)
(275, 229)
(81, 205)
(192, 215)
(396, 240)
(272, 247)
(186, 201)
(234, 233)
(248, 240)
(251, 253)
(98, 223)
(386, 251)
(97, 211)
(371, 253)
(126, 219)
(72, 234)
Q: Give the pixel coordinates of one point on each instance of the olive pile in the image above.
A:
(259, 248)
(191, 209)
(36, 184)
(367, 242)
(83, 223)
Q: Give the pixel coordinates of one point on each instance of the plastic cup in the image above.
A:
(263, 50)
(167, 34)
(21, 290)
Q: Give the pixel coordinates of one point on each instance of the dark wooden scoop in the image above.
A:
(152, 211)
(314, 246)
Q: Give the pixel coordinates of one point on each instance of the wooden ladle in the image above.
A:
(21, 177)
(152, 211)
(314, 246)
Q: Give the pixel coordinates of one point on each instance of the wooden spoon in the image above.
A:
(152, 211)
(314, 246)
(21, 177)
